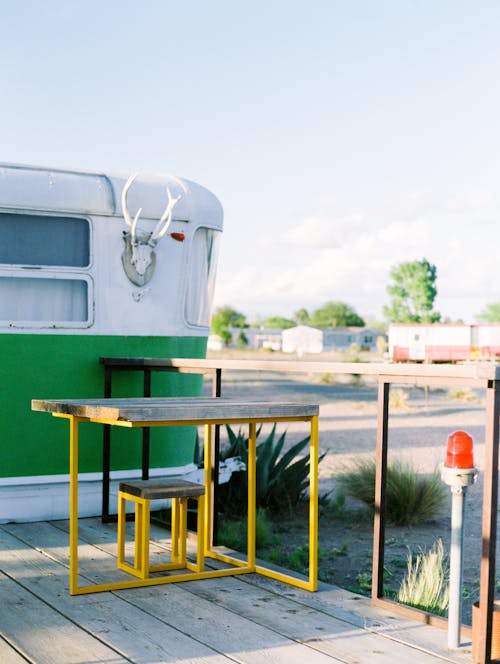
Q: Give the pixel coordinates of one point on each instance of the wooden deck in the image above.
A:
(247, 619)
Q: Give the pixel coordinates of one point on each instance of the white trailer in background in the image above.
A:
(440, 342)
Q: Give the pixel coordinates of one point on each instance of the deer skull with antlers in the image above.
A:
(139, 258)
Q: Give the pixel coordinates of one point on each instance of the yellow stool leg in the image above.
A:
(138, 537)
(182, 530)
(140, 567)
(121, 528)
(200, 535)
(145, 539)
(174, 529)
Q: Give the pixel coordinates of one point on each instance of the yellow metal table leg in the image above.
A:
(207, 452)
(73, 504)
(252, 492)
(313, 505)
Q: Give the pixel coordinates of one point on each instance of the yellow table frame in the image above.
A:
(238, 566)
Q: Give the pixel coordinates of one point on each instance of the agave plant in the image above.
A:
(282, 479)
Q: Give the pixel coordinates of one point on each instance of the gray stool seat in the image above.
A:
(157, 489)
(142, 492)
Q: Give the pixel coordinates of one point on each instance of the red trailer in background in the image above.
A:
(442, 342)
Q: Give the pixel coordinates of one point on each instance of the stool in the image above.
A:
(142, 492)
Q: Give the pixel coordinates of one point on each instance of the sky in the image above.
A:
(342, 137)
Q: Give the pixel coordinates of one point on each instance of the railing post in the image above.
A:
(216, 392)
(380, 487)
(106, 448)
(489, 532)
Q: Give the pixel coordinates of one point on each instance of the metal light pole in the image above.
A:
(458, 473)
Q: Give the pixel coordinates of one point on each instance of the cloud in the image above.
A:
(349, 258)
(313, 232)
(325, 231)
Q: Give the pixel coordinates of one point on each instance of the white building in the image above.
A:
(302, 339)
(305, 339)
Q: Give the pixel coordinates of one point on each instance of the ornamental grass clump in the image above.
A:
(424, 585)
(398, 399)
(411, 498)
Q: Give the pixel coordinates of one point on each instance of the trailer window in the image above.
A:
(45, 302)
(36, 240)
(201, 276)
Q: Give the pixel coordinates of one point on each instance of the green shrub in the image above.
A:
(233, 532)
(424, 585)
(411, 498)
(282, 479)
(264, 535)
(298, 559)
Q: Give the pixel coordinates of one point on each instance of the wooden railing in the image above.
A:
(484, 376)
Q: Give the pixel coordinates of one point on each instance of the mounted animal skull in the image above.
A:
(139, 258)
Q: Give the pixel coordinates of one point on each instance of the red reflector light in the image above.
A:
(459, 451)
(178, 236)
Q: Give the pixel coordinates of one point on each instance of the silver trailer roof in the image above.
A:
(84, 192)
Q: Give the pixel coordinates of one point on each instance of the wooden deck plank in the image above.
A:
(246, 619)
(31, 625)
(218, 629)
(358, 610)
(323, 632)
(105, 618)
(8, 655)
(336, 603)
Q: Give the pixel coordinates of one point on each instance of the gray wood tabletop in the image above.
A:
(175, 409)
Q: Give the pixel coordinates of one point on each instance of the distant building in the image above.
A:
(342, 338)
(256, 338)
(302, 339)
(305, 339)
(215, 342)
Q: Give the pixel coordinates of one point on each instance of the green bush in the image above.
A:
(282, 479)
(233, 533)
(411, 498)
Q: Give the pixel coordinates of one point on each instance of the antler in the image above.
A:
(165, 220)
(126, 215)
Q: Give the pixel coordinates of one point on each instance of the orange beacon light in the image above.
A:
(459, 451)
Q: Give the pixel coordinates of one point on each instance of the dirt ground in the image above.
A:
(418, 432)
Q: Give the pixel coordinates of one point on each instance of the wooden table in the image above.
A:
(150, 412)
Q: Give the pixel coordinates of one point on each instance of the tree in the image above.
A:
(490, 314)
(277, 322)
(301, 317)
(413, 292)
(336, 314)
(226, 317)
(241, 340)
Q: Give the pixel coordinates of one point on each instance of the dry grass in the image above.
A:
(424, 585)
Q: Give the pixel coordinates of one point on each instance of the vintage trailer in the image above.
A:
(94, 264)
(439, 342)
(486, 341)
